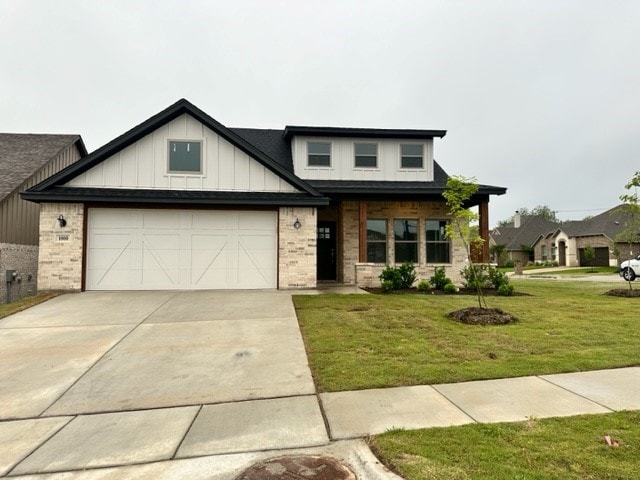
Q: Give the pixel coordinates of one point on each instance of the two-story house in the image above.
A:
(183, 202)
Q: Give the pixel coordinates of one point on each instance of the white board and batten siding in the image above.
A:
(151, 249)
(144, 165)
(343, 160)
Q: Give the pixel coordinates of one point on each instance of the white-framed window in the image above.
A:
(366, 155)
(376, 240)
(405, 233)
(543, 252)
(185, 157)
(412, 155)
(438, 244)
(319, 154)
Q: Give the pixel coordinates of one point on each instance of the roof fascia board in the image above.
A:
(293, 130)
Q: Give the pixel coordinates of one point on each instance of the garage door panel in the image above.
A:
(173, 249)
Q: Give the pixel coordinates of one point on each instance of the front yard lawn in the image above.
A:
(7, 309)
(374, 341)
(555, 448)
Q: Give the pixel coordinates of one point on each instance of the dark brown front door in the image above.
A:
(326, 250)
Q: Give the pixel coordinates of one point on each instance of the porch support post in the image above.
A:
(362, 234)
(483, 210)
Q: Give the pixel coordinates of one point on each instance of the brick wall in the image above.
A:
(60, 262)
(367, 273)
(297, 248)
(24, 260)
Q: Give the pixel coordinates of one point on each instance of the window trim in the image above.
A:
(200, 172)
(416, 241)
(309, 165)
(385, 241)
(356, 155)
(428, 242)
(422, 145)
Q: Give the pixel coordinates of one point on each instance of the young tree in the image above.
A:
(631, 208)
(589, 256)
(459, 190)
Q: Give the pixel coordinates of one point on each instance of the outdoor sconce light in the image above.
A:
(297, 224)
(61, 221)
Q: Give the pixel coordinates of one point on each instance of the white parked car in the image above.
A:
(630, 269)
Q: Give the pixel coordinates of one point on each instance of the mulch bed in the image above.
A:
(624, 292)
(482, 316)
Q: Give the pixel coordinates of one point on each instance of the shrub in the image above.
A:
(388, 286)
(450, 288)
(439, 279)
(509, 264)
(403, 276)
(497, 278)
(505, 290)
(391, 277)
(475, 276)
(407, 273)
(423, 286)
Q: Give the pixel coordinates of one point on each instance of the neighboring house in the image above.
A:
(520, 236)
(26, 160)
(183, 202)
(566, 243)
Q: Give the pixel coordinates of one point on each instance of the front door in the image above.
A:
(326, 250)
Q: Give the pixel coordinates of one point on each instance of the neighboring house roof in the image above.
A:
(22, 155)
(530, 229)
(608, 224)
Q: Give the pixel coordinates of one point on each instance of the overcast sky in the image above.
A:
(539, 96)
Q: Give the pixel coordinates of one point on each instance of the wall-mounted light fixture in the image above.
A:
(297, 224)
(61, 221)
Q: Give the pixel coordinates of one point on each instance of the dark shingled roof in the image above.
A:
(22, 155)
(530, 229)
(609, 224)
(271, 142)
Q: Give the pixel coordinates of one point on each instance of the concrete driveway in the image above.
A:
(106, 378)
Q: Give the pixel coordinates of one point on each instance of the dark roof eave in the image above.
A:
(292, 130)
(162, 197)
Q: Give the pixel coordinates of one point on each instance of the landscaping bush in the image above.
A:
(505, 290)
(439, 279)
(509, 264)
(497, 278)
(397, 278)
(450, 288)
(423, 286)
(476, 276)
(391, 279)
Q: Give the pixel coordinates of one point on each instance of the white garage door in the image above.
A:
(130, 249)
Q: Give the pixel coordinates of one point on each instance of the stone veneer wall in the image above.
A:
(24, 260)
(366, 274)
(297, 248)
(60, 263)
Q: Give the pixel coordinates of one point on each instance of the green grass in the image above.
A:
(557, 448)
(588, 271)
(7, 309)
(371, 341)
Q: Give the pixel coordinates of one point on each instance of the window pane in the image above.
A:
(319, 148)
(377, 252)
(366, 149)
(411, 162)
(414, 150)
(362, 161)
(319, 160)
(405, 230)
(184, 157)
(436, 230)
(406, 252)
(377, 230)
(438, 252)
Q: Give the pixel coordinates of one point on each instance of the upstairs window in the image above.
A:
(406, 240)
(318, 154)
(411, 156)
(366, 155)
(185, 156)
(376, 241)
(438, 245)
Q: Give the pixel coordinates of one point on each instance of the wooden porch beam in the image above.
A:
(362, 231)
(483, 210)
